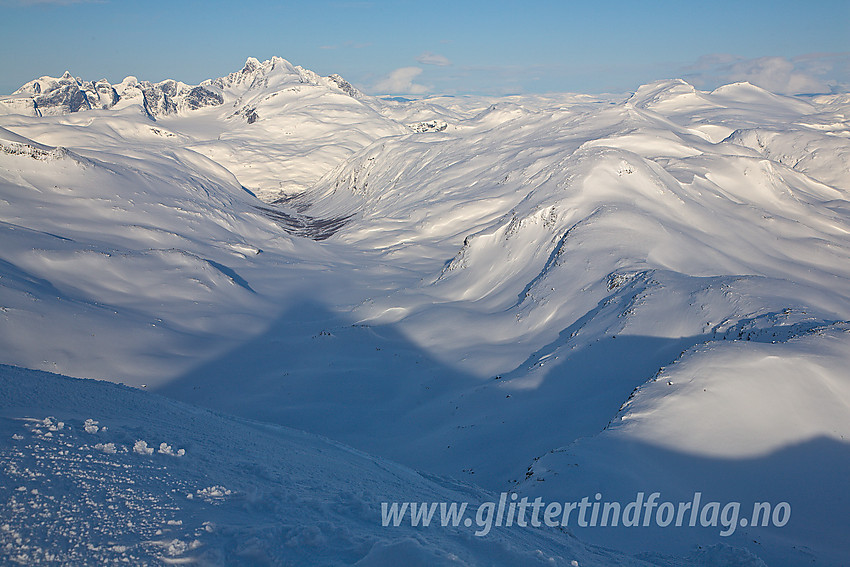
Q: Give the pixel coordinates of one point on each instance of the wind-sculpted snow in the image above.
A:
(512, 291)
(550, 205)
(823, 157)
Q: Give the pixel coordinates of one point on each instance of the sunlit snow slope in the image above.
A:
(558, 295)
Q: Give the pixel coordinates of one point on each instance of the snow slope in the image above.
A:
(759, 420)
(94, 473)
(558, 295)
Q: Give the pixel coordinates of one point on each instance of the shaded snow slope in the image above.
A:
(134, 259)
(94, 473)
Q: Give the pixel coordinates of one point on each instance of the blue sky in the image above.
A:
(435, 46)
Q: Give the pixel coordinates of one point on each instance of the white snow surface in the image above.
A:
(556, 294)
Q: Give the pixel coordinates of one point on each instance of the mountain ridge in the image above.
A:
(48, 95)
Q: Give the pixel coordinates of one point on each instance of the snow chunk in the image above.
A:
(91, 426)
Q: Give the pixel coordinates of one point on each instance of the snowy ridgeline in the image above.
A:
(55, 96)
(558, 295)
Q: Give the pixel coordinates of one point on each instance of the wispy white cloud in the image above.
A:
(428, 58)
(813, 73)
(401, 81)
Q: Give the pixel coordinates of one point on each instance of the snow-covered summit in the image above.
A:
(256, 74)
(66, 94)
(661, 91)
(48, 96)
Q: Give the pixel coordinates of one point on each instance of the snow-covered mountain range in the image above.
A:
(557, 295)
(48, 96)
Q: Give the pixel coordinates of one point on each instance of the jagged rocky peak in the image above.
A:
(50, 95)
(255, 74)
(46, 84)
(59, 96)
(345, 86)
(276, 71)
(157, 102)
(200, 96)
(251, 65)
(102, 95)
(169, 97)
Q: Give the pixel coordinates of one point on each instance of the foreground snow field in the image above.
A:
(99, 480)
(560, 296)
